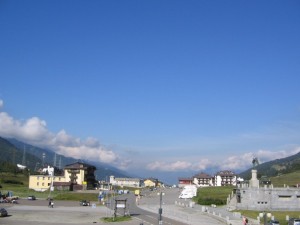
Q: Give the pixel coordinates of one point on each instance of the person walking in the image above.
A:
(245, 220)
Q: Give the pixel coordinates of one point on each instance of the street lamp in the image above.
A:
(264, 215)
(160, 222)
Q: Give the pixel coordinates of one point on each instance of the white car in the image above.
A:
(186, 195)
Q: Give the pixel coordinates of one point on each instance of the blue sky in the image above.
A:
(153, 86)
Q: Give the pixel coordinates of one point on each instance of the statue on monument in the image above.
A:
(255, 162)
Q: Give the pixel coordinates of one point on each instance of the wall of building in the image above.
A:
(268, 198)
(128, 182)
(149, 183)
(43, 182)
(80, 176)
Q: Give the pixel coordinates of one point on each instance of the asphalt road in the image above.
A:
(37, 212)
(145, 217)
(64, 213)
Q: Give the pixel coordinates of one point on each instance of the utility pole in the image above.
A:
(160, 221)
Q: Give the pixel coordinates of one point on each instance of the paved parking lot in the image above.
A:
(37, 212)
(64, 213)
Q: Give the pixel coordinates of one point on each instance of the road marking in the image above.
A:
(144, 222)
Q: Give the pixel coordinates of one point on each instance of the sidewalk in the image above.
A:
(186, 211)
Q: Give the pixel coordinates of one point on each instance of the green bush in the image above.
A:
(12, 182)
(116, 219)
(210, 201)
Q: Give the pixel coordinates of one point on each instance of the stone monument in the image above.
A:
(254, 182)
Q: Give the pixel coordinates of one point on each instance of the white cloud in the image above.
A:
(234, 163)
(180, 165)
(34, 131)
(85, 152)
(203, 164)
(244, 161)
(175, 166)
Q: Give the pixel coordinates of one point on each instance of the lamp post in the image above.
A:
(160, 221)
(264, 215)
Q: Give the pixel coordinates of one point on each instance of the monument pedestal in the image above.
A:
(254, 182)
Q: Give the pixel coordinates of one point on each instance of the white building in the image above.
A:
(125, 182)
(203, 180)
(225, 178)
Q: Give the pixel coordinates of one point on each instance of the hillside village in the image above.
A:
(80, 176)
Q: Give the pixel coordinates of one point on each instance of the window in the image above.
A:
(284, 196)
(43, 184)
(37, 184)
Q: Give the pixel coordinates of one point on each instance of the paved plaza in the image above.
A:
(68, 212)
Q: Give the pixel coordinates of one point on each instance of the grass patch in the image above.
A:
(75, 196)
(116, 219)
(18, 184)
(289, 179)
(213, 195)
(278, 215)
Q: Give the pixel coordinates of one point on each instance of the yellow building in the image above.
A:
(77, 176)
(150, 182)
(80, 175)
(43, 182)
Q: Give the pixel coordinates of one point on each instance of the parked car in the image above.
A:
(3, 212)
(84, 203)
(294, 221)
(31, 197)
(274, 222)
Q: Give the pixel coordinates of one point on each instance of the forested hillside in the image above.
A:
(276, 167)
(10, 154)
(12, 151)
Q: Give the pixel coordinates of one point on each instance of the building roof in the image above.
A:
(185, 179)
(152, 179)
(79, 165)
(226, 173)
(203, 176)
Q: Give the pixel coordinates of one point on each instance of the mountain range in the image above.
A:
(17, 152)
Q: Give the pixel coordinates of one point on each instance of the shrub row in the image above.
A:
(12, 182)
(209, 201)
